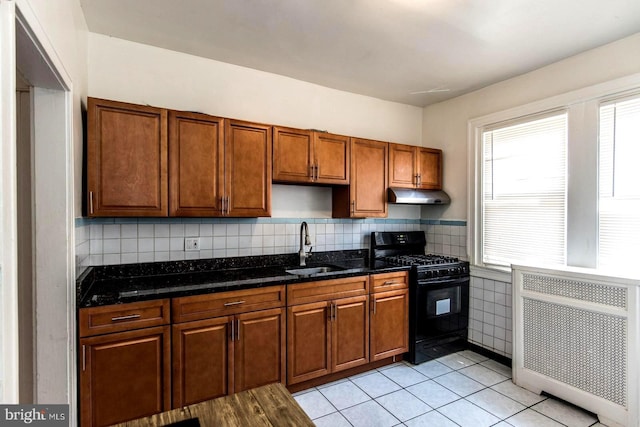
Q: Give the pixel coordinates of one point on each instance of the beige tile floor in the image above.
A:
(461, 389)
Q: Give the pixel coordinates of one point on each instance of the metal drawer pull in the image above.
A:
(129, 317)
(227, 304)
(389, 282)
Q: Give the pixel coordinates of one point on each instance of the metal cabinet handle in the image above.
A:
(419, 179)
(129, 317)
(227, 304)
(84, 358)
(233, 329)
(238, 329)
(91, 202)
(374, 305)
(353, 206)
(317, 171)
(228, 205)
(389, 282)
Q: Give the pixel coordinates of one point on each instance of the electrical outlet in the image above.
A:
(192, 244)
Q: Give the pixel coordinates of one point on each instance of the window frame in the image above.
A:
(582, 107)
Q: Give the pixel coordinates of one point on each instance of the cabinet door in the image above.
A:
(125, 375)
(349, 333)
(308, 342)
(247, 169)
(202, 357)
(368, 178)
(196, 143)
(389, 324)
(126, 159)
(332, 155)
(292, 155)
(402, 166)
(259, 349)
(430, 168)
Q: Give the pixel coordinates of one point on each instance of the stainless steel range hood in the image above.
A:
(410, 196)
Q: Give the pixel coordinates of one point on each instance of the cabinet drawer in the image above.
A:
(199, 307)
(327, 290)
(123, 317)
(389, 281)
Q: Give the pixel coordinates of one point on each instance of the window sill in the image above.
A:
(501, 275)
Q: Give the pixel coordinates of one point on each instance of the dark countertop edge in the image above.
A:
(89, 281)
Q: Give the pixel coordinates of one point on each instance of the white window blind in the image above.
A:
(619, 183)
(524, 192)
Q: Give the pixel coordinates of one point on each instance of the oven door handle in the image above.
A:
(432, 282)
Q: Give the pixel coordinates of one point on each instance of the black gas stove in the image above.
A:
(438, 293)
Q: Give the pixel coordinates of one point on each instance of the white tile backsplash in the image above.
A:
(145, 239)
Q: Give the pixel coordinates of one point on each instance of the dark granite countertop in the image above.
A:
(125, 283)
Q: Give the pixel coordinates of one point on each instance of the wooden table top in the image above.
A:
(270, 405)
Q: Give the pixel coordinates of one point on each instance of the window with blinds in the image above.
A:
(524, 191)
(619, 183)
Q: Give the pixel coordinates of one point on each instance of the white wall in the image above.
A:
(143, 74)
(445, 124)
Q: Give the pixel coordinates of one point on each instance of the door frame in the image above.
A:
(24, 42)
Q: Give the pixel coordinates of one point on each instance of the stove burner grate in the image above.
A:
(418, 260)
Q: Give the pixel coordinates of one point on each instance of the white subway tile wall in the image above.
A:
(105, 241)
(490, 315)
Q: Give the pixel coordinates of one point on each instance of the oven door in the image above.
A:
(440, 308)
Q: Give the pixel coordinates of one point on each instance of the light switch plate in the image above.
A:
(192, 244)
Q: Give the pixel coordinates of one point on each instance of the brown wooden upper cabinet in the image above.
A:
(247, 169)
(147, 161)
(415, 167)
(303, 156)
(218, 167)
(196, 164)
(126, 159)
(366, 195)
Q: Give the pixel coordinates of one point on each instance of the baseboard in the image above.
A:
(490, 354)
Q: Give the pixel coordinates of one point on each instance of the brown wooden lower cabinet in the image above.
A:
(202, 355)
(325, 337)
(125, 375)
(228, 342)
(224, 355)
(389, 324)
(350, 333)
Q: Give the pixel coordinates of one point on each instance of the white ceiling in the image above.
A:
(398, 50)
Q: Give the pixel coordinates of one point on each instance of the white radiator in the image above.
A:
(576, 336)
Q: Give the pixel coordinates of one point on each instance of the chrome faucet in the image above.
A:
(304, 228)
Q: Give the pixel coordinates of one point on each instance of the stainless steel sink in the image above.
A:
(310, 271)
